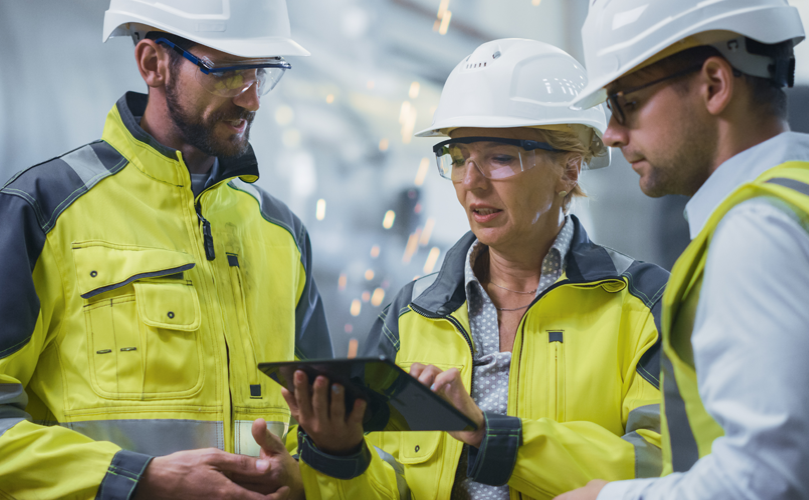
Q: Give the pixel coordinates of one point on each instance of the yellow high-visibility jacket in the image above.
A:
(132, 315)
(583, 397)
(689, 431)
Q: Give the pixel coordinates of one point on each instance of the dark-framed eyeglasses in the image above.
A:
(617, 102)
(494, 157)
(231, 78)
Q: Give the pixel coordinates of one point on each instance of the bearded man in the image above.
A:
(144, 277)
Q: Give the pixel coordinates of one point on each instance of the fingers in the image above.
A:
(426, 374)
(291, 402)
(320, 399)
(281, 493)
(416, 369)
(357, 415)
(337, 409)
(448, 382)
(259, 431)
(303, 395)
(269, 442)
(232, 463)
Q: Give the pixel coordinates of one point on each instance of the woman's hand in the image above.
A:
(448, 385)
(328, 426)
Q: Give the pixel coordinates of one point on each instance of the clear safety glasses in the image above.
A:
(619, 105)
(494, 157)
(231, 78)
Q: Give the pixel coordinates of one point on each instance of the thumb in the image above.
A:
(269, 442)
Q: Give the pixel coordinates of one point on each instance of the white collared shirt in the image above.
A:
(751, 342)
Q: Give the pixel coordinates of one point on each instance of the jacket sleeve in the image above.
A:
(42, 461)
(370, 473)
(544, 458)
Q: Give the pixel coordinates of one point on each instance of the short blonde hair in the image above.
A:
(577, 152)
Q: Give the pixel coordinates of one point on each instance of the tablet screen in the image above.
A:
(396, 401)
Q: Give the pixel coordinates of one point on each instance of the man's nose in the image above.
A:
(616, 135)
(249, 99)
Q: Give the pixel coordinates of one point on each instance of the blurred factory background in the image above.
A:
(335, 139)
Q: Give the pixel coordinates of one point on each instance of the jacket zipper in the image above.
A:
(207, 236)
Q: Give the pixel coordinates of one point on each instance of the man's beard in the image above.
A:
(199, 132)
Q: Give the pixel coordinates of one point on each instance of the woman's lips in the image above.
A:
(485, 214)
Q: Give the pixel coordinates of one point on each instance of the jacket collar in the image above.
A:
(124, 133)
(586, 262)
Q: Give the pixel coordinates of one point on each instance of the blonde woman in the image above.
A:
(548, 341)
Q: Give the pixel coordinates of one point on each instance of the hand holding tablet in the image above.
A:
(395, 400)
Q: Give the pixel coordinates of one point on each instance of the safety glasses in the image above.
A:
(619, 104)
(494, 157)
(231, 78)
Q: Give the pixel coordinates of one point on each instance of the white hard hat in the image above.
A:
(623, 35)
(519, 83)
(244, 28)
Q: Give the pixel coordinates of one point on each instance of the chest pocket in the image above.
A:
(142, 320)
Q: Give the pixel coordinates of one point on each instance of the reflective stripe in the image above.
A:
(798, 186)
(648, 457)
(619, 260)
(13, 394)
(423, 284)
(8, 423)
(401, 483)
(87, 166)
(644, 417)
(684, 451)
(154, 436)
(13, 401)
(245, 444)
(267, 208)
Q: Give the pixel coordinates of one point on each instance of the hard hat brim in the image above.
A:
(437, 129)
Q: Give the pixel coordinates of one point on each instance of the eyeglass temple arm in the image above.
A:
(188, 55)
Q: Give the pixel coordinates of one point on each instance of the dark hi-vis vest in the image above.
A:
(688, 431)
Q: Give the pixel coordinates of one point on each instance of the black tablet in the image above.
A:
(396, 401)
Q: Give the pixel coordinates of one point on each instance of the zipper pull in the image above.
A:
(207, 236)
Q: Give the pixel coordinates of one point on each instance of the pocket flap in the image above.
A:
(174, 306)
(102, 266)
(419, 446)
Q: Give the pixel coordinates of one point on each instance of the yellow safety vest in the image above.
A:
(688, 430)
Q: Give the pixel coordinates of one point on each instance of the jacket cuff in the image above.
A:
(340, 467)
(123, 475)
(494, 461)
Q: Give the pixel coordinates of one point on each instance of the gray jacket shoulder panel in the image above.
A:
(383, 339)
(274, 211)
(52, 186)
